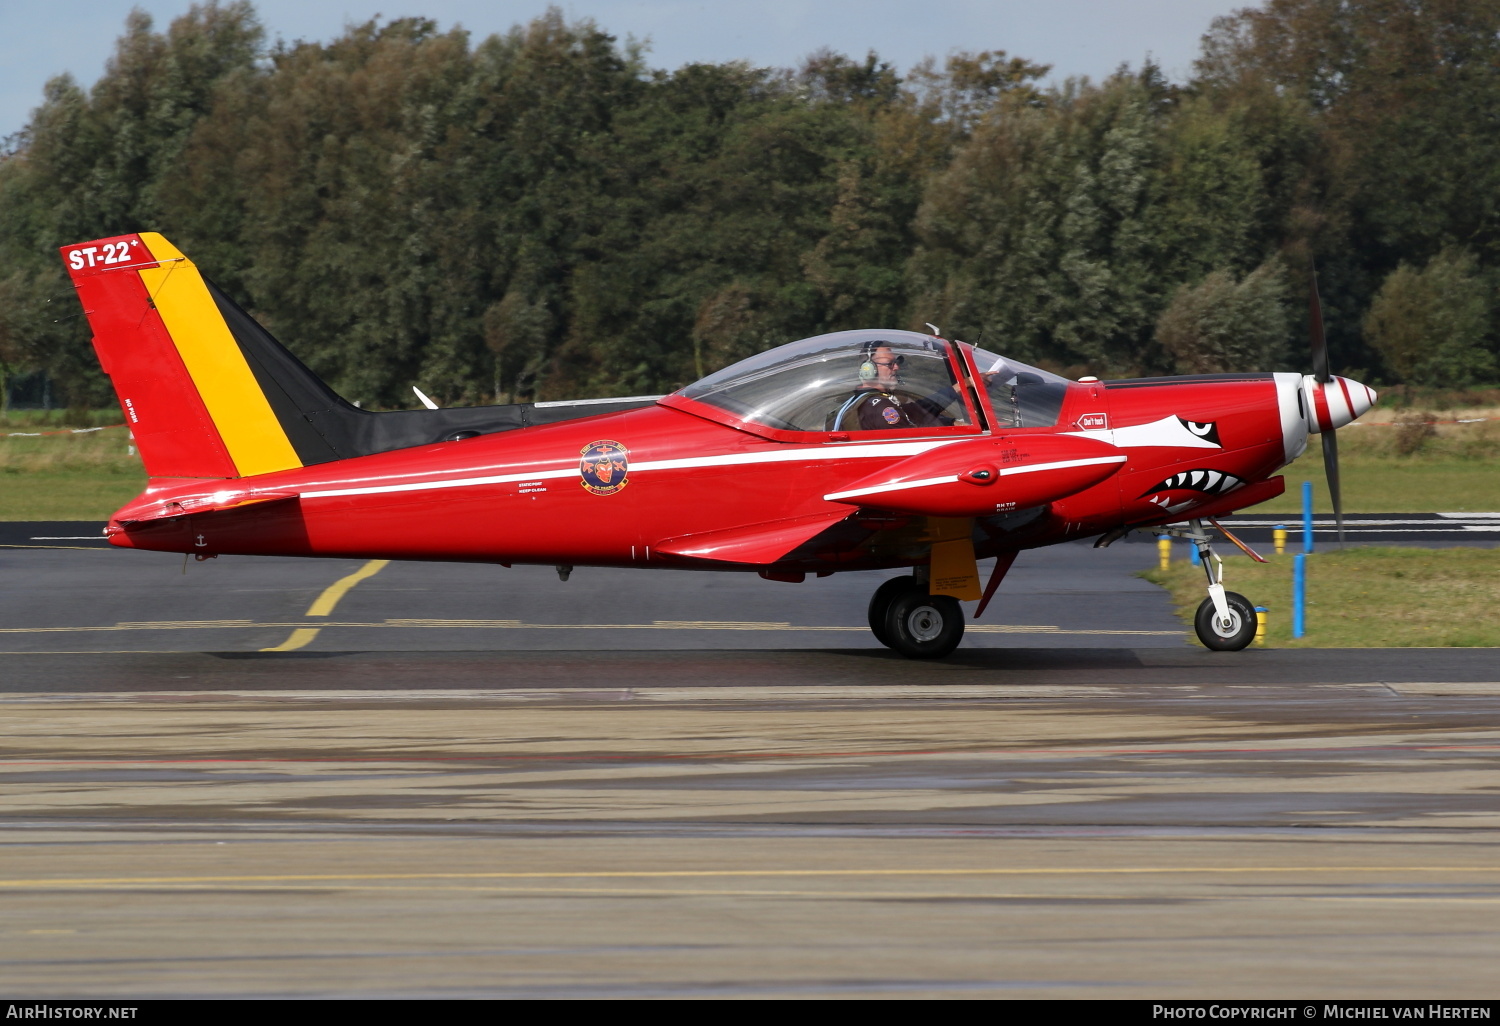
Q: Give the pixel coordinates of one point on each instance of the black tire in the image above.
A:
(880, 604)
(923, 626)
(1242, 632)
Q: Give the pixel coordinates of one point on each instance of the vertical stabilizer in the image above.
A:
(186, 390)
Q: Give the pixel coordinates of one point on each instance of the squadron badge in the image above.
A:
(603, 467)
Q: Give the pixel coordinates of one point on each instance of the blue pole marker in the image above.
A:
(1193, 554)
(1307, 544)
(1299, 595)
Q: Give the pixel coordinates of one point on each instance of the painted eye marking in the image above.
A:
(1206, 430)
(1209, 482)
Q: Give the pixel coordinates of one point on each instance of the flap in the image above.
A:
(759, 544)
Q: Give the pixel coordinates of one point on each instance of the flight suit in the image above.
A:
(884, 412)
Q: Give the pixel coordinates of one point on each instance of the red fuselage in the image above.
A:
(521, 497)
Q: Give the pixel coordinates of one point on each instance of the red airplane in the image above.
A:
(857, 450)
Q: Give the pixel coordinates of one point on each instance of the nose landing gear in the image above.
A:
(904, 617)
(1225, 621)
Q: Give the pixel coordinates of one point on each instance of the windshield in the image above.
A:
(846, 381)
(1020, 395)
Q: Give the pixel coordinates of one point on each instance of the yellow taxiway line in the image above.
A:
(324, 603)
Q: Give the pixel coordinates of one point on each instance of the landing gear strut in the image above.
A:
(1225, 621)
(904, 617)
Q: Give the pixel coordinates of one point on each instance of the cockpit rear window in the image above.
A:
(846, 381)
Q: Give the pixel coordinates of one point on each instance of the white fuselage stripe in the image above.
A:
(1033, 468)
(897, 486)
(805, 454)
(894, 487)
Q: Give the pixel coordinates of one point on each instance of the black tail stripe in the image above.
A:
(322, 426)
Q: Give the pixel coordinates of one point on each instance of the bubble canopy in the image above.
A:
(818, 384)
(871, 381)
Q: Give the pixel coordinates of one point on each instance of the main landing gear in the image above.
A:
(918, 625)
(1225, 621)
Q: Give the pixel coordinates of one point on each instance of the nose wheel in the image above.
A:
(1227, 633)
(903, 617)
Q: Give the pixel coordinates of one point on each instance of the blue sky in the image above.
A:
(42, 38)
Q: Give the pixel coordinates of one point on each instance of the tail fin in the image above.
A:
(190, 396)
(209, 392)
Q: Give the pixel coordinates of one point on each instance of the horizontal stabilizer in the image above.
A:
(159, 507)
(757, 544)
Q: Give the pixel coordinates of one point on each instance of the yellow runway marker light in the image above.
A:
(1164, 551)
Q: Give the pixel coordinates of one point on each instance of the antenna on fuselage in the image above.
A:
(425, 401)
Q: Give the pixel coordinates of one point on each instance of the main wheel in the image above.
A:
(1241, 629)
(923, 626)
(880, 604)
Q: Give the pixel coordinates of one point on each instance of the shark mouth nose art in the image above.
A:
(1208, 482)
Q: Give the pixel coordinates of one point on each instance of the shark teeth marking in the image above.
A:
(1205, 480)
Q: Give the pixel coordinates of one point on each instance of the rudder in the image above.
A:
(186, 390)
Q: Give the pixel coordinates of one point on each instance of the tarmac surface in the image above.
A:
(469, 781)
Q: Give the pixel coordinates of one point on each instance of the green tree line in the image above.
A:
(543, 214)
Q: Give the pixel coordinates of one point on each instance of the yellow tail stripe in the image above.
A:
(239, 409)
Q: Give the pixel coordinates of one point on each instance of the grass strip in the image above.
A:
(1374, 484)
(1376, 597)
(67, 476)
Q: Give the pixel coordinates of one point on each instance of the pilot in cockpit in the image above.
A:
(879, 403)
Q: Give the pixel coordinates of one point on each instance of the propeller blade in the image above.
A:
(1331, 468)
(1315, 321)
